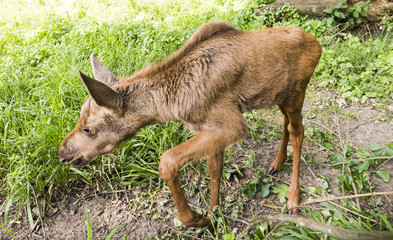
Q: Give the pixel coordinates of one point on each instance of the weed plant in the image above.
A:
(42, 43)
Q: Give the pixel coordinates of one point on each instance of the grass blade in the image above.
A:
(114, 230)
(89, 230)
(6, 230)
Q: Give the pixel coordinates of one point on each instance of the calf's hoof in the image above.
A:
(271, 171)
(195, 220)
(293, 199)
(293, 211)
(292, 205)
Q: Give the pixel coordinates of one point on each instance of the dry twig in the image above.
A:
(363, 66)
(321, 125)
(271, 206)
(334, 231)
(387, 19)
(344, 153)
(345, 197)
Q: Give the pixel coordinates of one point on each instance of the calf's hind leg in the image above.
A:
(282, 154)
(296, 133)
(215, 164)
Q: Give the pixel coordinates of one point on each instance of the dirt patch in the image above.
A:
(68, 219)
(379, 8)
(106, 213)
(370, 127)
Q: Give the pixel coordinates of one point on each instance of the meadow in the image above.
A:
(43, 43)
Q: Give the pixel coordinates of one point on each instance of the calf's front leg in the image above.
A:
(209, 143)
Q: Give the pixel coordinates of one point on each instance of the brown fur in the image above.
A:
(220, 73)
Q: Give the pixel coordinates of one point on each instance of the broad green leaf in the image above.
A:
(340, 179)
(249, 191)
(282, 192)
(337, 212)
(364, 166)
(328, 10)
(265, 191)
(389, 150)
(381, 173)
(330, 21)
(374, 147)
(328, 146)
(359, 184)
(315, 190)
(250, 188)
(350, 179)
(349, 150)
(339, 15)
(363, 153)
(339, 158)
(324, 183)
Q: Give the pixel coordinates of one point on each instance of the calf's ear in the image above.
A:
(101, 72)
(102, 94)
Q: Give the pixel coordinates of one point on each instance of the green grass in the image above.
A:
(358, 69)
(42, 43)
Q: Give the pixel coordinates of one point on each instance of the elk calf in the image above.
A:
(219, 74)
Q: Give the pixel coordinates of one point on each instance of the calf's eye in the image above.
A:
(86, 130)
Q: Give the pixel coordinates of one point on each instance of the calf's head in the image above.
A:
(102, 124)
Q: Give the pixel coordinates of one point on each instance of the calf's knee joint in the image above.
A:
(166, 167)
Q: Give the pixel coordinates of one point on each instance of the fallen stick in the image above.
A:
(343, 66)
(331, 230)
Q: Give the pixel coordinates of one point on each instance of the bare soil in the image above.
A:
(153, 214)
